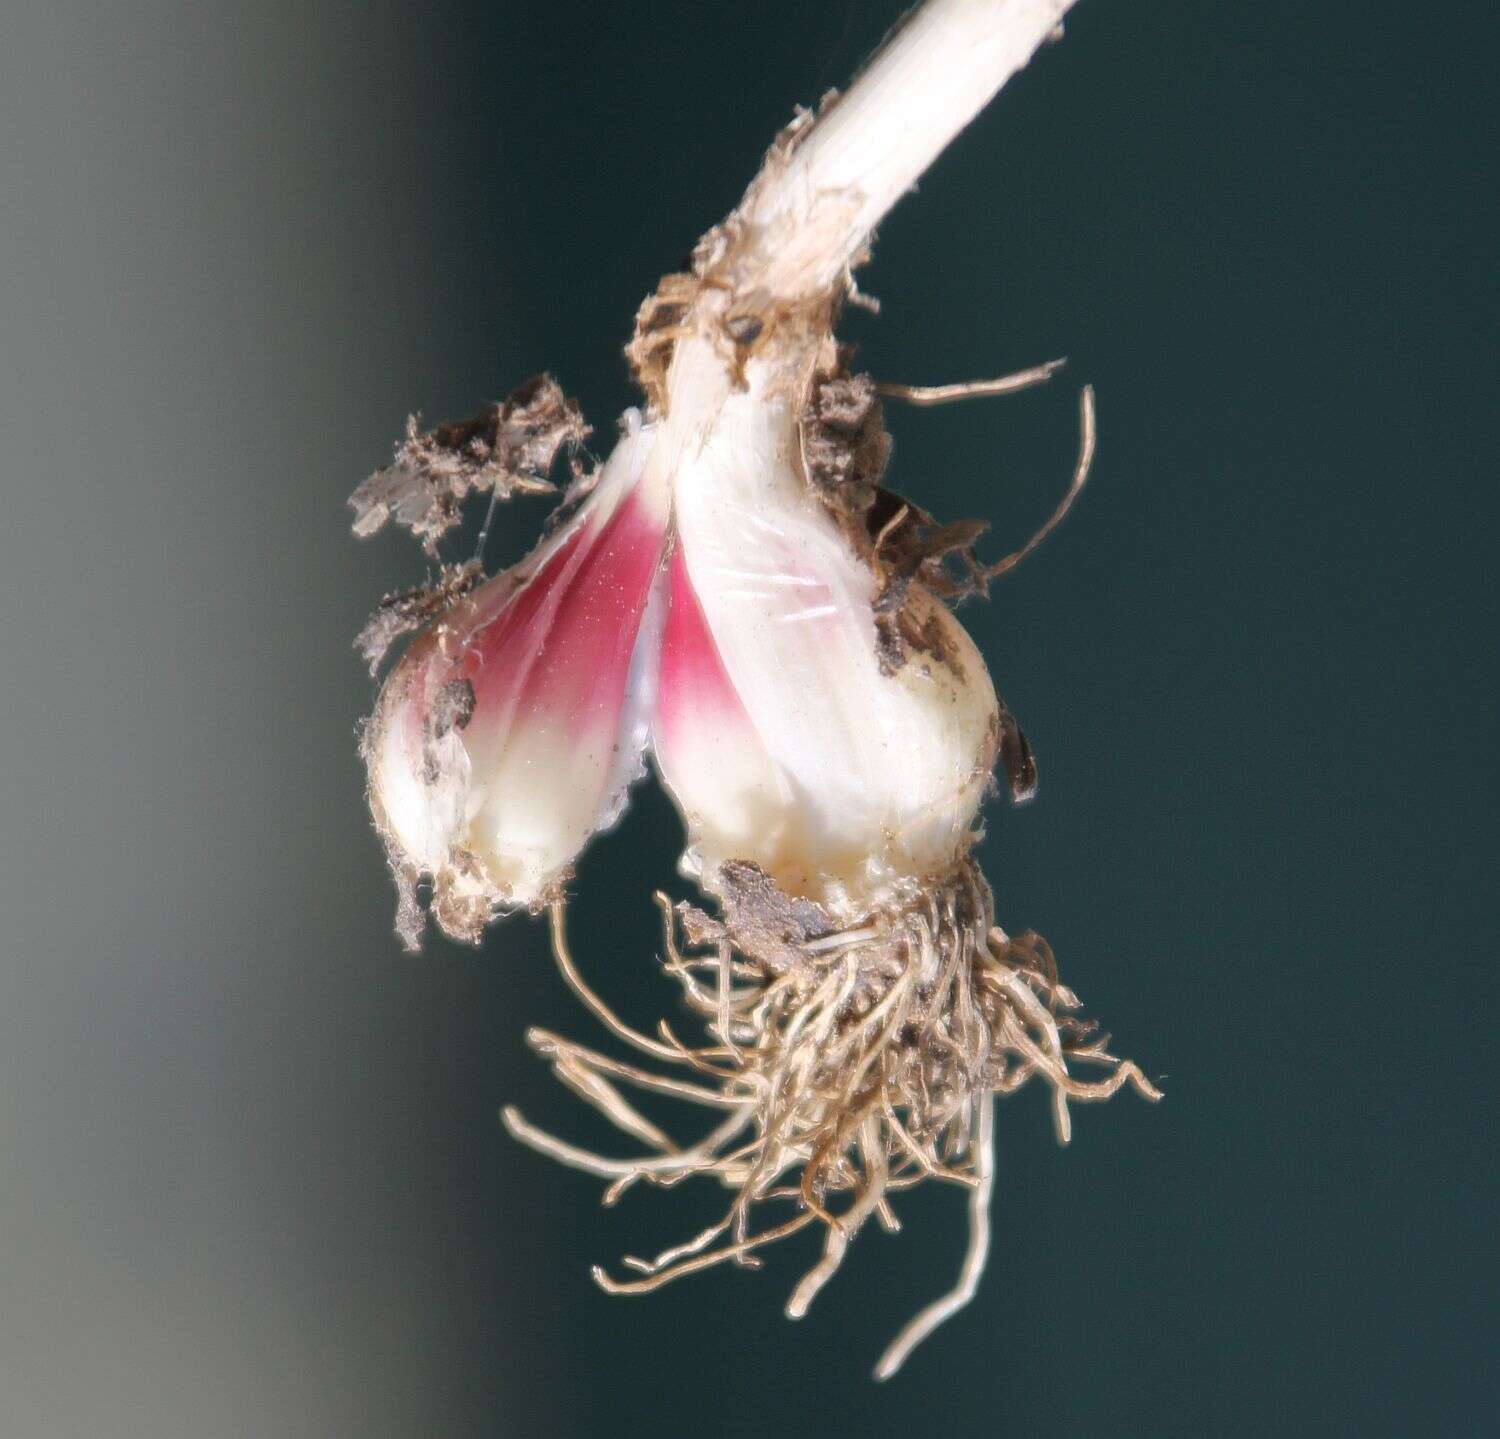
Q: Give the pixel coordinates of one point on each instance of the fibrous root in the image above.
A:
(845, 1064)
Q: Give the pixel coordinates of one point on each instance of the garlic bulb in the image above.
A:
(827, 730)
(777, 731)
(508, 733)
(740, 595)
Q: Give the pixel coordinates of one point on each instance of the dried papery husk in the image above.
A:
(846, 1064)
(506, 449)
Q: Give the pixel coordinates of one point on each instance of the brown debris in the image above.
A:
(845, 447)
(919, 561)
(759, 917)
(659, 324)
(410, 920)
(744, 328)
(463, 901)
(1016, 759)
(404, 611)
(910, 544)
(845, 450)
(906, 631)
(452, 707)
(507, 448)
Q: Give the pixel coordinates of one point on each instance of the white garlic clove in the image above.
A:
(839, 776)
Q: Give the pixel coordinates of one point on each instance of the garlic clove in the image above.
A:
(858, 776)
(737, 802)
(510, 731)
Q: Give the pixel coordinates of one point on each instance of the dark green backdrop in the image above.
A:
(251, 1176)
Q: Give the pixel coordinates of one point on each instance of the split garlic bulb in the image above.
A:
(738, 596)
(705, 593)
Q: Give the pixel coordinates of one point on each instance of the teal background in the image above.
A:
(251, 1176)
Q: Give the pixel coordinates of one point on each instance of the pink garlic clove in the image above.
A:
(510, 731)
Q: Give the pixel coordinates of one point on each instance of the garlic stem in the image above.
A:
(808, 215)
(812, 215)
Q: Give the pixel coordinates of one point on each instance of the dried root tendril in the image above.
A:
(908, 545)
(846, 1066)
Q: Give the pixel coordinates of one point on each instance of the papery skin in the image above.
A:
(776, 731)
(554, 663)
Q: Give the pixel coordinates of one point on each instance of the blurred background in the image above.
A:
(252, 1180)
